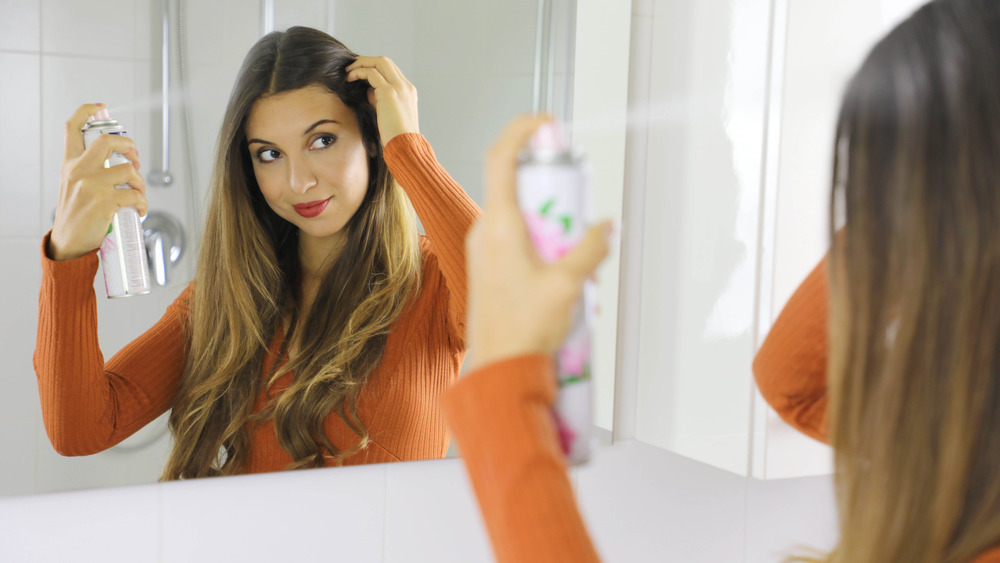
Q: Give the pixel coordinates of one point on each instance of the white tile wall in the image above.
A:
(68, 82)
(221, 31)
(20, 166)
(509, 38)
(310, 13)
(55, 473)
(482, 106)
(19, 28)
(92, 29)
(355, 23)
(18, 322)
(17, 465)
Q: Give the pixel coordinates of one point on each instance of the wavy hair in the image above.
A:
(914, 374)
(248, 280)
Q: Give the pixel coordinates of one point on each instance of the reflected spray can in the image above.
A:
(553, 194)
(123, 251)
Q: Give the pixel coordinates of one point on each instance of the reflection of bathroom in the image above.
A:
(715, 116)
(188, 53)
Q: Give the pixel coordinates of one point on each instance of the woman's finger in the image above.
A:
(583, 260)
(501, 161)
(102, 147)
(371, 75)
(384, 65)
(132, 198)
(74, 136)
(121, 175)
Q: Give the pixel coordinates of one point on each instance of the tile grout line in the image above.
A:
(41, 137)
(385, 516)
(159, 522)
(39, 423)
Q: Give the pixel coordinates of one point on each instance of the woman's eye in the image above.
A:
(323, 141)
(268, 155)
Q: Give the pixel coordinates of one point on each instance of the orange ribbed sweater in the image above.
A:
(89, 406)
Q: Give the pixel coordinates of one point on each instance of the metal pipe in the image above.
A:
(161, 176)
(165, 79)
(266, 16)
(541, 43)
(550, 66)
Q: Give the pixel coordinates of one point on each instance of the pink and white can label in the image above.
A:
(552, 193)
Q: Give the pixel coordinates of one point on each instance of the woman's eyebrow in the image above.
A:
(306, 132)
(318, 123)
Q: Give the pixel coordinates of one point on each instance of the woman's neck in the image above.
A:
(316, 255)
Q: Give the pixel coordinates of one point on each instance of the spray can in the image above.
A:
(123, 251)
(552, 193)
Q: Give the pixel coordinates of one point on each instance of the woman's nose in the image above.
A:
(300, 177)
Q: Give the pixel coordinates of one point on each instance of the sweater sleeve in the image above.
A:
(790, 367)
(501, 417)
(87, 405)
(446, 212)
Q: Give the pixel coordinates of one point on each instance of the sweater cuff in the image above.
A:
(513, 380)
(408, 152)
(77, 275)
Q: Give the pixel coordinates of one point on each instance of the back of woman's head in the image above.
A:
(915, 277)
(248, 281)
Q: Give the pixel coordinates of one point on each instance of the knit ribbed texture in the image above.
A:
(502, 419)
(413, 163)
(790, 367)
(88, 405)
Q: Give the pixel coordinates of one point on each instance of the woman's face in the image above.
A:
(309, 158)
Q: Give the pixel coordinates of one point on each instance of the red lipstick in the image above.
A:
(312, 208)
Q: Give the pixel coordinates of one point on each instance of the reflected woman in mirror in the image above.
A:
(890, 349)
(912, 402)
(321, 327)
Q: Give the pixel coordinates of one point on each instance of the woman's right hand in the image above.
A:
(88, 199)
(518, 303)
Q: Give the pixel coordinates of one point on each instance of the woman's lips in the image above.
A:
(312, 208)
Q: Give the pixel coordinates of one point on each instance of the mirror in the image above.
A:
(473, 63)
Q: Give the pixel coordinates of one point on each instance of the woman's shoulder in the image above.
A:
(991, 556)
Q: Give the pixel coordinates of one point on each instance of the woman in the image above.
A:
(914, 386)
(320, 328)
(911, 405)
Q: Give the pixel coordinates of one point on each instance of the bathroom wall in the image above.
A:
(58, 54)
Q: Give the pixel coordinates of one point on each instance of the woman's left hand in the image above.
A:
(394, 98)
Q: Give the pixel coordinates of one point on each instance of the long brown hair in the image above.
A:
(248, 279)
(914, 374)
